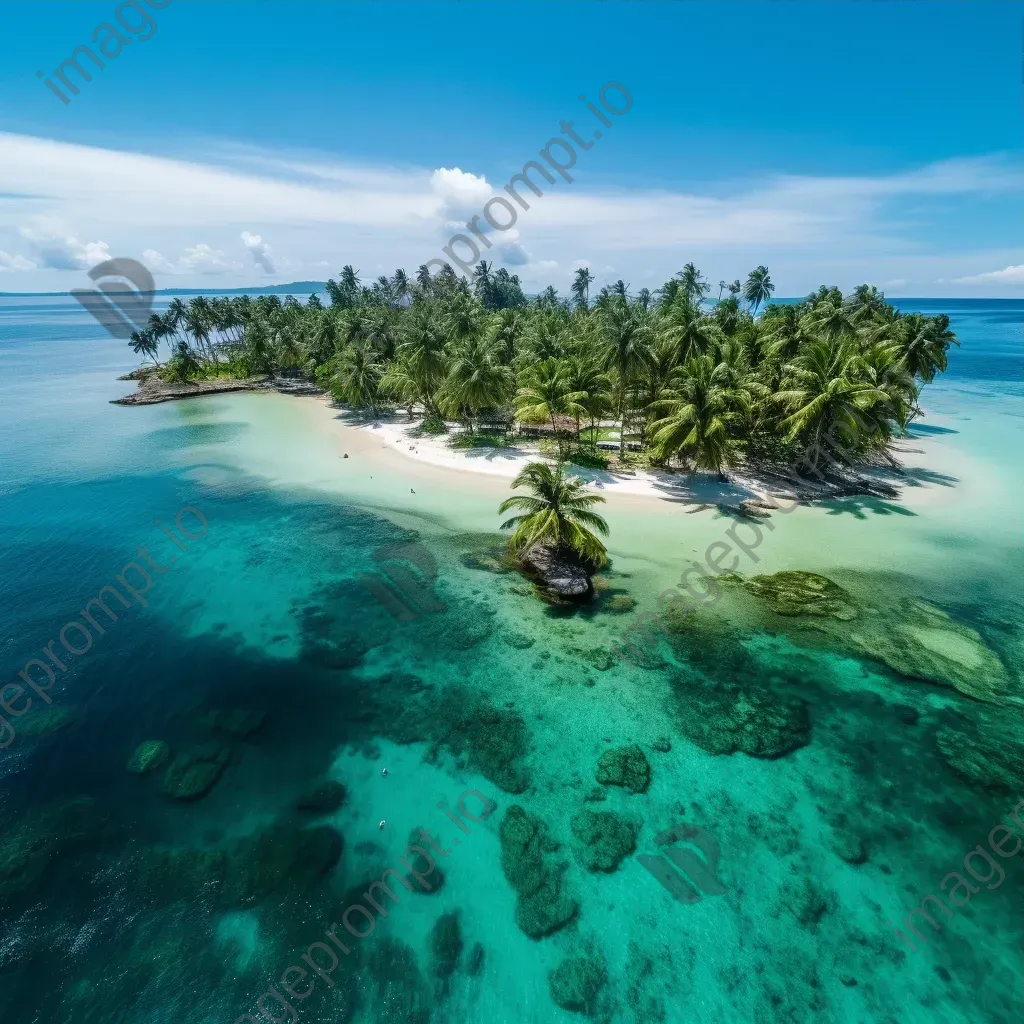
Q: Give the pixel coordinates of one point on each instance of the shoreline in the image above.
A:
(750, 492)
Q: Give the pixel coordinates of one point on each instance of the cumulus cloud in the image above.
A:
(260, 252)
(60, 249)
(15, 262)
(194, 259)
(1006, 276)
(462, 195)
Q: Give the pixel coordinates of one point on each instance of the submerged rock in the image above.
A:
(30, 846)
(798, 593)
(923, 642)
(475, 961)
(728, 719)
(47, 721)
(279, 857)
(542, 906)
(401, 994)
(194, 773)
(625, 766)
(446, 944)
(607, 838)
(324, 797)
(987, 753)
(238, 722)
(576, 983)
(428, 876)
(149, 756)
(559, 573)
(848, 845)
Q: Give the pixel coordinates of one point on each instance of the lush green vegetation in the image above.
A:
(698, 384)
(555, 514)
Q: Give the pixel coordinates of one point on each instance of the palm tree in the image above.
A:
(546, 340)
(183, 363)
(702, 416)
(463, 319)
(722, 285)
(400, 285)
(475, 380)
(422, 356)
(358, 375)
(507, 334)
(830, 318)
(627, 339)
(688, 327)
(824, 389)
(144, 343)
(482, 281)
(694, 285)
(758, 288)
(556, 515)
(587, 378)
(581, 286)
(923, 342)
(547, 392)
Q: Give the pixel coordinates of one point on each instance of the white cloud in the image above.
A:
(60, 249)
(15, 262)
(461, 195)
(260, 252)
(195, 259)
(1007, 276)
(158, 263)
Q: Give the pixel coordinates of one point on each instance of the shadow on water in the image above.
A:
(860, 507)
(184, 437)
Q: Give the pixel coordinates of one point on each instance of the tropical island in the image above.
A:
(675, 379)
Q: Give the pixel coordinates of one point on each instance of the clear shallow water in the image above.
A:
(121, 910)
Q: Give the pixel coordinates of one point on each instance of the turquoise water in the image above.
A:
(120, 903)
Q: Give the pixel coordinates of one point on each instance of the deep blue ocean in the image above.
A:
(255, 652)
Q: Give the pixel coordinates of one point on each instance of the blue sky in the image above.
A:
(249, 142)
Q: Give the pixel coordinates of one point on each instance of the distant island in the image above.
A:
(674, 378)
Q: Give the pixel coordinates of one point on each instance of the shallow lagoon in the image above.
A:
(137, 907)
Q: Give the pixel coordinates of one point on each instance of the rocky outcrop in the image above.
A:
(149, 757)
(576, 983)
(798, 593)
(194, 773)
(606, 839)
(281, 858)
(543, 906)
(323, 798)
(446, 944)
(987, 753)
(625, 766)
(559, 573)
(921, 641)
(238, 722)
(727, 718)
(29, 847)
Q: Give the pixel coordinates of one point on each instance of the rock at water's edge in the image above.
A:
(559, 573)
